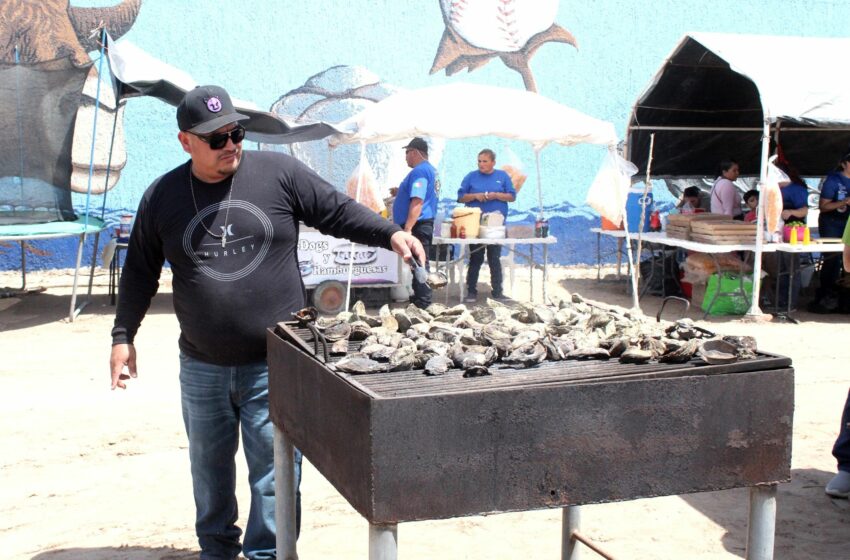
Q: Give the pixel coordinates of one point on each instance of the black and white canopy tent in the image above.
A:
(722, 95)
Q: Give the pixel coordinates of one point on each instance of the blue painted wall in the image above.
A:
(262, 49)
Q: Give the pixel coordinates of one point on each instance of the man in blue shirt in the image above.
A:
(489, 189)
(834, 200)
(416, 205)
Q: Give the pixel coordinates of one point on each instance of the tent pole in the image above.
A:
(646, 186)
(629, 255)
(539, 186)
(74, 311)
(351, 251)
(755, 310)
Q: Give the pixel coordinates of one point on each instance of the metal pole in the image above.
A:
(73, 312)
(545, 272)
(755, 310)
(383, 542)
(570, 522)
(762, 522)
(284, 489)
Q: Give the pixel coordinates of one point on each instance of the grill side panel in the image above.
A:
(325, 418)
(523, 449)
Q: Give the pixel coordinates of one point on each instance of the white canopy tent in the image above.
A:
(719, 95)
(461, 110)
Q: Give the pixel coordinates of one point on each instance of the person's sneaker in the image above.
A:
(470, 298)
(498, 297)
(839, 486)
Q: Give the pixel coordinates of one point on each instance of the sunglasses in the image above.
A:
(219, 141)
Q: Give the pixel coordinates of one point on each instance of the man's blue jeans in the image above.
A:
(216, 400)
(841, 450)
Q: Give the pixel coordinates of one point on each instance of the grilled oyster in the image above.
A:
(588, 353)
(438, 365)
(746, 346)
(476, 371)
(635, 355)
(717, 351)
(417, 315)
(359, 364)
(359, 331)
(402, 319)
(337, 331)
(681, 353)
(340, 347)
(526, 356)
(306, 315)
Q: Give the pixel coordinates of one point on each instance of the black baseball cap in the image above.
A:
(418, 144)
(205, 109)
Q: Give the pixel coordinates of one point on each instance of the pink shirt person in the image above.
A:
(725, 198)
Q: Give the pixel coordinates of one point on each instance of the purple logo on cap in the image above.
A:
(214, 104)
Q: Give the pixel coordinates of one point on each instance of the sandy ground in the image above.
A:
(88, 473)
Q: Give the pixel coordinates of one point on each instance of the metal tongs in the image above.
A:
(434, 280)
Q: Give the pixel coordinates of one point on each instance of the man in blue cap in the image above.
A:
(415, 206)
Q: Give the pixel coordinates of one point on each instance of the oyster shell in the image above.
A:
(438, 365)
(476, 371)
(635, 355)
(359, 364)
(339, 347)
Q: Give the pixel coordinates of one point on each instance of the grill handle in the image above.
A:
(664, 303)
(318, 337)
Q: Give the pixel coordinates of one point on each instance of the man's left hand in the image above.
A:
(406, 245)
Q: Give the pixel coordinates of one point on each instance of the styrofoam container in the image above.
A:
(491, 232)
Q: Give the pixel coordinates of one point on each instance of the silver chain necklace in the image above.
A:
(223, 235)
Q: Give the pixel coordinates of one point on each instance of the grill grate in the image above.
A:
(415, 383)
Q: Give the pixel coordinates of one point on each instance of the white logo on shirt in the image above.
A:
(228, 263)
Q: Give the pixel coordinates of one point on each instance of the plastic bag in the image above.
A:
(492, 219)
(610, 188)
(370, 193)
(729, 299)
(771, 195)
(514, 168)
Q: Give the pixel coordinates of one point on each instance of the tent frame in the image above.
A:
(776, 118)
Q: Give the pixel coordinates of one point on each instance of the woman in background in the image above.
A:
(725, 198)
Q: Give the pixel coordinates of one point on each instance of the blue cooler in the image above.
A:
(633, 209)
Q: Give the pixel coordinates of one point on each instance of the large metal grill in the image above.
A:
(403, 446)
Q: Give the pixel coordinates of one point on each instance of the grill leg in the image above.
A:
(383, 542)
(762, 523)
(284, 488)
(571, 521)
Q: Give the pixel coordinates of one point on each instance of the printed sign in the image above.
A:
(321, 257)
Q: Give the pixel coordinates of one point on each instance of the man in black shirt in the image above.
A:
(227, 222)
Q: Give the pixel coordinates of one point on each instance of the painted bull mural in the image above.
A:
(47, 96)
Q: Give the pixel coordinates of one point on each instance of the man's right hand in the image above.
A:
(122, 355)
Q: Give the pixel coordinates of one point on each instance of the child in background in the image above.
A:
(751, 199)
(692, 201)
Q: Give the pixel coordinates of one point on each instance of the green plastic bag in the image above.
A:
(729, 300)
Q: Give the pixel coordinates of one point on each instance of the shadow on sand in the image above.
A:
(118, 553)
(804, 515)
(41, 308)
